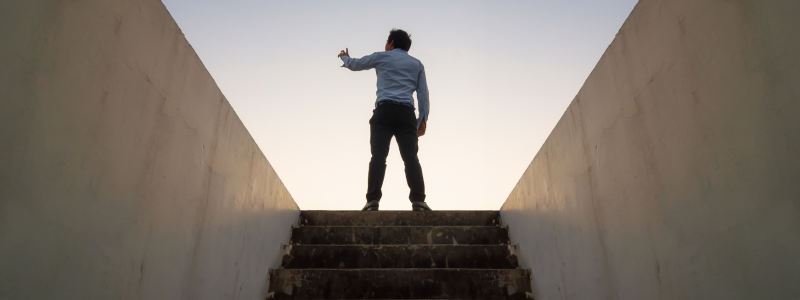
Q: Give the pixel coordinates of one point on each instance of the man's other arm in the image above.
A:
(358, 64)
(424, 102)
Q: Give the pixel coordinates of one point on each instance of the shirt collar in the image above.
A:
(400, 50)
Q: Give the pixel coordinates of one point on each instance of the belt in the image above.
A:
(394, 102)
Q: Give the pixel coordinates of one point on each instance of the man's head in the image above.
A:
(398, 39)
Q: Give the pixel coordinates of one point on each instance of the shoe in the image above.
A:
(420, 206)
(371, 206)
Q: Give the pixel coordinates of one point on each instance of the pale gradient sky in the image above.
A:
(500, 73)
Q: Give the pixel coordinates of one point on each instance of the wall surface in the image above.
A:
(124, 171)
(675, 172)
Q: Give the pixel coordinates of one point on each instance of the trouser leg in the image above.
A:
(407, 141)
(379, 140)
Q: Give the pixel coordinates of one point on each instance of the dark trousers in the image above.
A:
(399, 121)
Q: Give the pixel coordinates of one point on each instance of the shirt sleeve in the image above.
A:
(360, 64)
(422, 96)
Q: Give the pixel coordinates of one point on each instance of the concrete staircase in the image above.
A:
(399, 255)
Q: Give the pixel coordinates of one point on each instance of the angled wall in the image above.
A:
(675, 172)
(124, 171)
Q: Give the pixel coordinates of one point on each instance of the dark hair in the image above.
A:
(401, 39)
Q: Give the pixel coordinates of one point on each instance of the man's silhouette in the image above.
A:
(399, 76)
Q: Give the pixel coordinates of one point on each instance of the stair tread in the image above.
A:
(400, 256)
(403, 269)
(400, 218)
(402, 235)
(400, 226)
(399, 283)
(402, 245)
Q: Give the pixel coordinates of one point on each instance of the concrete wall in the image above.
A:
(124, 171)
(675, 172)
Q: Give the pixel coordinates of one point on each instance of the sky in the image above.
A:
(500, 75)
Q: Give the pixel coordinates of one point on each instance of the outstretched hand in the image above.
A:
(421, 129)
(345, 52)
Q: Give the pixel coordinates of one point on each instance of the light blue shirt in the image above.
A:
(399, 75)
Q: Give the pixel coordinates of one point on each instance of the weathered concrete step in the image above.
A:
(400, 235)
(399, 284)
(399, 256)
(399, 218)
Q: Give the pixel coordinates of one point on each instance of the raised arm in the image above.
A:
(422, 98)
(358, 64)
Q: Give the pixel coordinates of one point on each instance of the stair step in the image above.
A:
(400, 235)
(399, 284)
(399, 256)
(399, 218)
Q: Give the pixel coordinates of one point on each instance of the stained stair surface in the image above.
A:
(399, 255)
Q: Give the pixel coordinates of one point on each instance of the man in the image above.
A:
(399, 76)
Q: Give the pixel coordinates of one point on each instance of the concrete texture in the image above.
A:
(399, 218)
(674, 173)
(124, 172)
(411, 255)
(399, 256)
(400, 235)
(400, 284)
